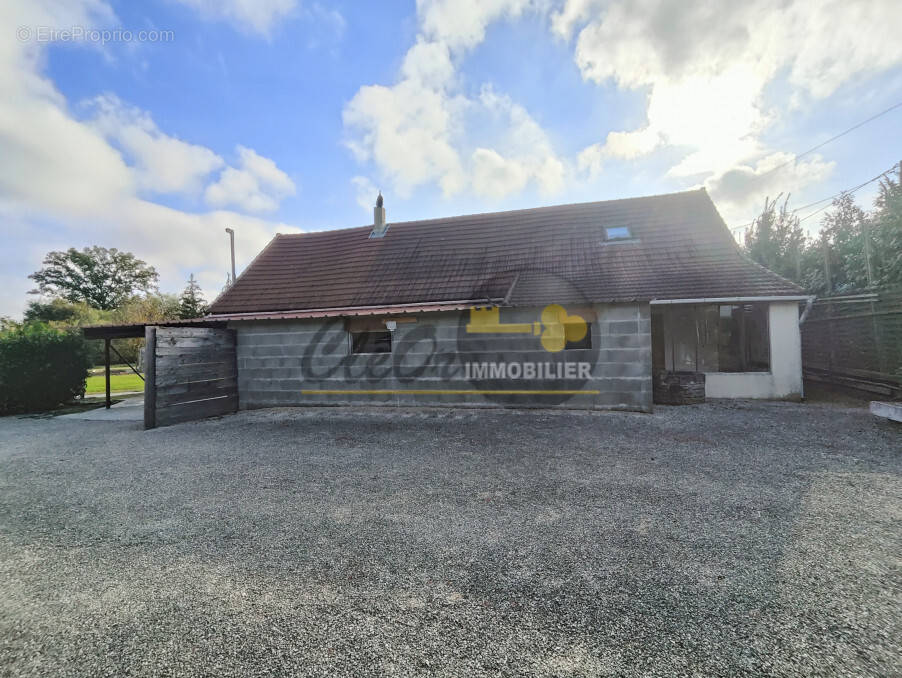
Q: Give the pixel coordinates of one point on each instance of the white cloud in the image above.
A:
(705, 66)
(495, 176)
(572, 13)
(255, 16)
(523, 151)
(63, 183)
(738, 191)
(257, 186)
(623, 145)
(162, 163)
(407, 131)
(329, 22)
(425, 129)
(461, 24)
(366, 192)
(428, 64)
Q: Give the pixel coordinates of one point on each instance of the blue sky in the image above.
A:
(286, 115)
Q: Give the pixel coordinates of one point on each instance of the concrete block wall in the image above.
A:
(280, 362)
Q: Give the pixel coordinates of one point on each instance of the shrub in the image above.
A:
(40, 368)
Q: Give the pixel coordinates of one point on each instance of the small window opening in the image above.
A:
(585, 342)
(371, 342)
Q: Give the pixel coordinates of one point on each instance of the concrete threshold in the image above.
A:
(891, 411)
(130, 409)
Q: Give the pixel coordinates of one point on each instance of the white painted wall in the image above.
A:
(785, 377)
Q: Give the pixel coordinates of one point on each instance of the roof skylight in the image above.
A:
(617, 233)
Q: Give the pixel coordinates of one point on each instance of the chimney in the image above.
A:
(379, 225)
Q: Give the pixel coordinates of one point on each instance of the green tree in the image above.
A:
(813, 278)
(886, 230)
(62, 313)
(855, 248)
(7, 324)
(192, 303)
(100, 277)
(150, 309)
(65, 315)
(844, 229)
(776, 240)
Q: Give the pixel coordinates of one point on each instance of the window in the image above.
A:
(371, 341)
(618, 233)
(585, 342)
(711, 338)
(744, 338)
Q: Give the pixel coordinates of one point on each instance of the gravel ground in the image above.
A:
(724, 539)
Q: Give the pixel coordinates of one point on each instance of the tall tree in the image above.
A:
(192, 303)
(147, 309)
(843, 232)
(103, 278)
(53, 311)
(886, 230)
(776, 240)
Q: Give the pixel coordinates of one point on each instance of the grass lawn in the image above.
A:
(118, 382)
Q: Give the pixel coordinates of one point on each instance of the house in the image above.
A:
(573, 305)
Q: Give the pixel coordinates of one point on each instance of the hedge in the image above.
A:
(40, 368)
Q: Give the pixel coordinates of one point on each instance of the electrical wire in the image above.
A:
(830, 198)
(832, 139)
(814, 148)
(847, 192)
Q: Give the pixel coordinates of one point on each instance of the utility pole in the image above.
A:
(867, 250)
(232, 243)
(828, 279)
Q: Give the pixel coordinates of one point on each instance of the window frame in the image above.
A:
(665, 320)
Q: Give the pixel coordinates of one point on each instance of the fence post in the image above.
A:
(106, 363)
(150, 377)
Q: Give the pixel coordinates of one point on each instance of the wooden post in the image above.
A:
(106, 359)
(150, 377)
(867, 253)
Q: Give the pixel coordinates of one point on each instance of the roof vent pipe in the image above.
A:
(379, 225)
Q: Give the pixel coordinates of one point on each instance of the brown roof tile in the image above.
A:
(681, 248)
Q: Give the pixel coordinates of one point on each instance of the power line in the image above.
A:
(830, 198)
(849, 191)
(831, 139)
(814, 148)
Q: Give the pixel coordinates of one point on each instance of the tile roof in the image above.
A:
(680, 249)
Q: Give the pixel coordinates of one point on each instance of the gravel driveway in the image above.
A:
(724, 539)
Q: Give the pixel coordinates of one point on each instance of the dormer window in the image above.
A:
(617, 233)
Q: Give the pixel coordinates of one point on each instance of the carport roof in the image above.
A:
(678, 247)
(137, 330)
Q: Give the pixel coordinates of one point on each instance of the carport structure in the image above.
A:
(190, 368)
(107, 333)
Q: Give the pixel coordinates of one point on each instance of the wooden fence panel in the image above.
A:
(856, 341)
(193, 374)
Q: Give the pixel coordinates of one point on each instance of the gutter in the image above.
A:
(725, 300)
(327, 309)
(808, 304)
